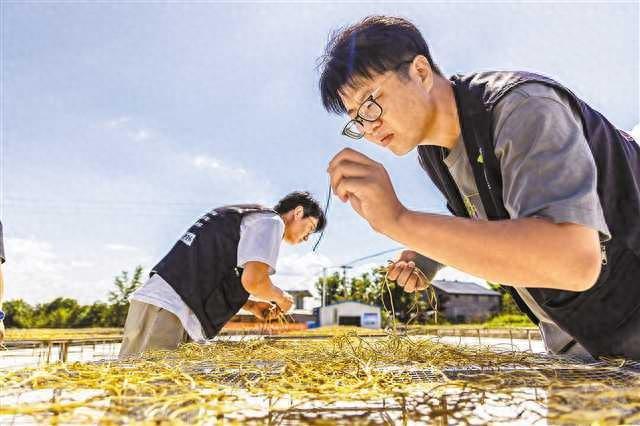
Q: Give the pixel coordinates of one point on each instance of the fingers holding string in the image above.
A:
(405, 274)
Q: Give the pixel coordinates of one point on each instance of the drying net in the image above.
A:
(344, 379)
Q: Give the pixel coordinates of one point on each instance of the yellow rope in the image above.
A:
(198, 384)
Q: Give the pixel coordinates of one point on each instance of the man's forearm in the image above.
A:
(527, 252)
(265, 290)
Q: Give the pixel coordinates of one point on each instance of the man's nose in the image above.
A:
(371, 126)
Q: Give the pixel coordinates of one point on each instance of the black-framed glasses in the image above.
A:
(370, 111)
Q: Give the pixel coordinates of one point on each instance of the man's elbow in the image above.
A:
(585, 271)
(249, 282)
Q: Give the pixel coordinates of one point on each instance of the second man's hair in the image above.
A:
(308, 203)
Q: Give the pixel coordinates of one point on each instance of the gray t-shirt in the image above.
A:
(547, 170)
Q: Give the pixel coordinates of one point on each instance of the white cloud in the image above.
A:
(140, 135)
(451, 274)
(304, 265)
(117, 123)
(635, 132)
(364, 268)
(120, 247)
(126, 125)
(295, 282)
(82, 264)
(256, 188)
(209, 163)
(33, 269)
(37, 271)
(300, 272)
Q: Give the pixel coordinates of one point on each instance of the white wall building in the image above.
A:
(351, 313)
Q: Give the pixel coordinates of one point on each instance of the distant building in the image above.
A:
(350, 313)
(298, 296)
(465, 301)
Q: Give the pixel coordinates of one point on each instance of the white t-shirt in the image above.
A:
(260, 238)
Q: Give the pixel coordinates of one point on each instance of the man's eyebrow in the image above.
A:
(359, 100)
(352, 111)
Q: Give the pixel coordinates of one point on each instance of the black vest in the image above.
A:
(606, 318)
(201, 266)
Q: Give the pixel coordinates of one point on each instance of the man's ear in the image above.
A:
(423, 71)
(299, 212)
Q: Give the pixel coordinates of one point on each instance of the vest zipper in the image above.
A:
(484, 169)
(603, 254)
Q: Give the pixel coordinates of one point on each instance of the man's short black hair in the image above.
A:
(308, 203)
(373, 46)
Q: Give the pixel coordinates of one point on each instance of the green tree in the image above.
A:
(19, 314)
(364, 290)
(59, 313)
(96, 315)
(64, 312)
(373, 289)
(507, 304)
(408, 307)
(334, 288)
(119, 298)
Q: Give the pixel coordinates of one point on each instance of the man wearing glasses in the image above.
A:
(544, 191)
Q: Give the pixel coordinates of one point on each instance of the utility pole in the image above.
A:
(344, 278)
(324, 286)
(344, 272)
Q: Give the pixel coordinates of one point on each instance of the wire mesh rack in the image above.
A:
(342, 380)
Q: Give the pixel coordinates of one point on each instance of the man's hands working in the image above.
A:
(255, 279)
(405, 272)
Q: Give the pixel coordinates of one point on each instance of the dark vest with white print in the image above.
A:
(606, 318)
(202, 266)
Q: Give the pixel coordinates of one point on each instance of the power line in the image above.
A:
(371, 256)
(108, 203)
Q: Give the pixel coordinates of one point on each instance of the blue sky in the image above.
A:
(124, 121)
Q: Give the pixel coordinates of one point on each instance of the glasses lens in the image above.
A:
(370, 111)
(353, 129)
